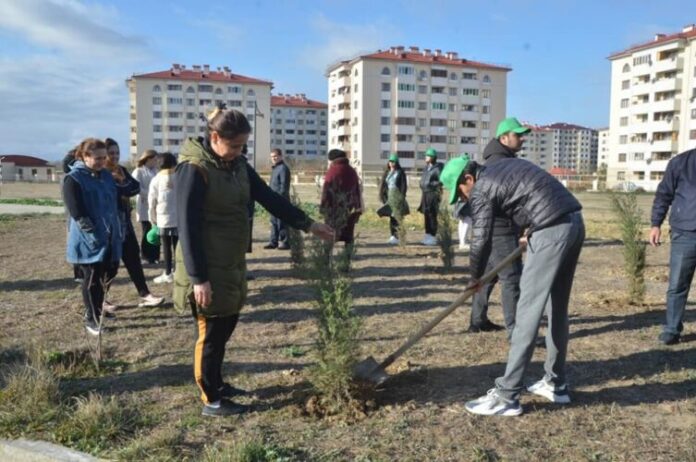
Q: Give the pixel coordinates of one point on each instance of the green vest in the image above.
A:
(225, 234)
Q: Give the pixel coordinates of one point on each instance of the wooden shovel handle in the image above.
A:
(463, 297)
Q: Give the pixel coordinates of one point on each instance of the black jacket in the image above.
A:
(430, 179)
(401, 183)
(495, 151)
(518, 190)
(280, 179)
(678, 191)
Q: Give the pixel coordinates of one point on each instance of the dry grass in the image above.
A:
(633, 399)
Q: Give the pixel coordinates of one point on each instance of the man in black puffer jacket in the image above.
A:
(505, 235)
(534, 200)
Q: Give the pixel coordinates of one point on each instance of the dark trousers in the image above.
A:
(168, 248)
(279, 232)
(501, 247)
(212, 335)
(148, 252)
(131, 260)
(682, 262)
(393, 227)
(430, 203)
(95, 280)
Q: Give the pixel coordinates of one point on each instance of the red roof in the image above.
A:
(413, 54)
(688, 32)
(558, 171)
(296, 101)
(201, 74)
(564, 126)
(24, 161)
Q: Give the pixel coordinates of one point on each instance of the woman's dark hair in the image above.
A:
(87, 146)
(110, 142)
(166, 160)
(228, 123)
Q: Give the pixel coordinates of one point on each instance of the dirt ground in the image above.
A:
(633, 399)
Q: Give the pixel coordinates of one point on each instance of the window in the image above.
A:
(175, 100)
(626, 68)
(406, 104)
(422, 75)
(622, 157)
(405, 138)
(486, 79)
(156, 100)
(637, 156)
(439, 106)
(657, 176)
(452, 91)
(467, 140)
(356, 72)
(386, 86)
(205, 88)
(156, 89)
(644, 59)
(422, 106)
(156, 115)
(423, 89)
(438, 139)
(470, 124)
(625, 85)
(452, 107)
(218, 91)
(157, 142)
(469, 75)
(384, 121)
(251, 93)
(234, 103)
(355, 88)
(409, 121)
(384, 137)
(355, 104)
(407, 87)
(438, 73)
(692, 134)
(173, 115)
(470, 92)
(190, 101)
(234, 89)
(386, 104)
(438, 122)
(639, 175)
(485, 93)
(422, 122)
(156, 128)
(453, 76)
(174, 87)
(191, 115)
(385, 71)
(693, 113)
(405, 70)
(485, 109)
(624, 103)
(623, 139)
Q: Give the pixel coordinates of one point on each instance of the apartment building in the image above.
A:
(653, 107)
(602, 147)
(406, 101)
(562, 146)
(166, 106)
(299, 126)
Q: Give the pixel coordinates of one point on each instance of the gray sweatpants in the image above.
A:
(547, 278)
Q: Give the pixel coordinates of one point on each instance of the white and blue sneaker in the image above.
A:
(494, 404)
(555, 393)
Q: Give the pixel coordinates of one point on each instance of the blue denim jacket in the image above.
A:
(99, 197)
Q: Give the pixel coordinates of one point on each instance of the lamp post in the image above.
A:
(1, 159)
(257, 113)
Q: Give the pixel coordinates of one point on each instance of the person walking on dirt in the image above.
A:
(534, 200)
(94, 230)
(431, 194)
(162, 202)
(392, 193)
(677, 191)
(280, 184)
(341, 199)
(214, 184)
(127, 187)
(144, 173)
(508, 142)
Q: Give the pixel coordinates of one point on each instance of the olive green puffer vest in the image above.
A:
(225, 234)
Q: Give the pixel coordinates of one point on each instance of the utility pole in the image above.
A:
(257, 113)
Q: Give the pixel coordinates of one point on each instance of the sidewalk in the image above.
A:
(22, 209)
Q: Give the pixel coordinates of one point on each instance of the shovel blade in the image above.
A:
(369, 370)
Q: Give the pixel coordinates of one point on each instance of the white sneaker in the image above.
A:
(429, 240)
(393, 240)
(494, 404)
(555, 394)
(150, 300)
(164, 278)
(109, 307)
(465, 247)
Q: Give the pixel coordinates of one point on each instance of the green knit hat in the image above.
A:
(393, 157)
(451, 173)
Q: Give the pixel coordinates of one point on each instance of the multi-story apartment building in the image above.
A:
(602, 147)
(406, 101)
(562, 146)
(166, 106)
(653, 107)
(299, 126)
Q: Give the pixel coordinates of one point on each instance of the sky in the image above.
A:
(64, 63)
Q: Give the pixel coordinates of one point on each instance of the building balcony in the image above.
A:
(157, 107)
(204, 95)
(471, 149)
(439, 97)
(342, 130)
(468, 131)
(405, 112)
(671, 144)
(175, 107)
(666, 85)
(666, 105)
(176, 135)
(669, 64)
(439, 81)
(385, 128)
(640, 88)
(667, 125)
(405, 146)
(385, 112)
(405, 129)
(485, 117)
(175, 94)
(157, 135)
(469, 99)
(469, 115)
(343, 114)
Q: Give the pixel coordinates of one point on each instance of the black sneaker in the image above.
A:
(669, 339)
(226, 408)
(270, 246)
(250, 277)
(92, 327)
(486, 326)
(228, 391)
(540, 342)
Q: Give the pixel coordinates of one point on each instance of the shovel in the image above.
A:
(369, 370)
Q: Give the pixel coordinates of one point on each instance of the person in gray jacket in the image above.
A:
(280, 183)
(533, 200)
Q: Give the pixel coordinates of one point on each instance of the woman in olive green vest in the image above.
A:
(214, 186)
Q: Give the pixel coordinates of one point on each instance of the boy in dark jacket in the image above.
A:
(678, 191)
(534, 200)
(280, 183)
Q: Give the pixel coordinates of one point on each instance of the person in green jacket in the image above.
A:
(214, 187)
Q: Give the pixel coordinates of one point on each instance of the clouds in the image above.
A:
(71, 84)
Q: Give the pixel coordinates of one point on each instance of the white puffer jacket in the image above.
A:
(162, 199)
(144, 176)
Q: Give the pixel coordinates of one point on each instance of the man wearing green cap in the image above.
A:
(507, 143)
(533, 200)
(431, 194)
(392, 192)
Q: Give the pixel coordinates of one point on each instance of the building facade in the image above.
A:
(562, 146)
(653, 107)
(169, 106)
(299, 126)
(602, 147)
(14, 167)
(406, 101)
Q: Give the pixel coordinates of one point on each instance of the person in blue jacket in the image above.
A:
(677, 191)
(94, 230)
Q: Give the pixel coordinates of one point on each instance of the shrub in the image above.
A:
(297, 247)
(634, 247)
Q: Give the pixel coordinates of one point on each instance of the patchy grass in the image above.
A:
(49, 202)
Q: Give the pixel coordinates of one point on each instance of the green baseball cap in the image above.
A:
(451, 173)
(431, 153)
(152, 236)
(393, 157)
(511, 124)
